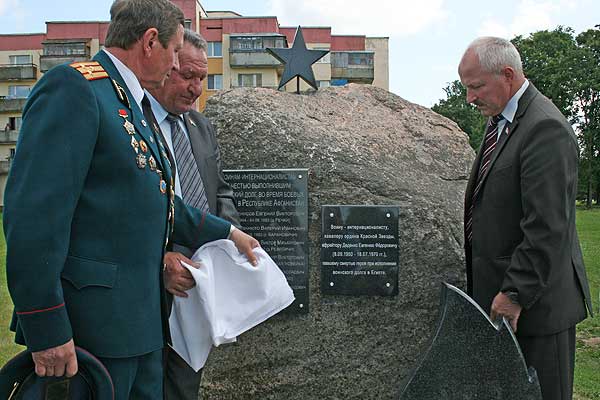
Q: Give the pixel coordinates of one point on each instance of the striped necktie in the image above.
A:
(192, 187)
(489, 144)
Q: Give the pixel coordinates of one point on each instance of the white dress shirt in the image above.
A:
(165, 126)
(511, 108)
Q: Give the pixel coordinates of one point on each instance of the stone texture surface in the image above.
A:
(363, 145)
(470, 358)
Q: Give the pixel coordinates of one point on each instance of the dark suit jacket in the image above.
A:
(208, 158)
(524, 236)
(86, 225)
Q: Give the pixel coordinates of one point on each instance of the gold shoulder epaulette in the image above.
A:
(91, 70)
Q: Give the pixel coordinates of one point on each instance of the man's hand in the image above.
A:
(245, 243)
(503, 306)
(56, 361)
(177, 277)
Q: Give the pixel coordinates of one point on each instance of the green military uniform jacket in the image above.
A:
(87, 216)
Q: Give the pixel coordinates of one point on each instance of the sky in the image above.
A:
(426, 37)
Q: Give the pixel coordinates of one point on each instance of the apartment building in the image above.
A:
(238, 58)
(236, 50)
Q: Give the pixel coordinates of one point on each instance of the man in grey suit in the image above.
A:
(524, 261)
(199, 179)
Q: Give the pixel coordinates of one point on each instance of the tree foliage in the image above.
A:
(456, 108)
(566, 68)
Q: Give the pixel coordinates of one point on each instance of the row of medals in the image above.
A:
(142, 161)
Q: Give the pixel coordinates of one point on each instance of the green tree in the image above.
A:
(566, 68)
(588, 107)
(466, 116)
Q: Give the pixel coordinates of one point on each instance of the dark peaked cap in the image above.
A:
(18, 380)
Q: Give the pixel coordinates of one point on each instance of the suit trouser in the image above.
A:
(181, 381)
(137, 378)
(553, 357)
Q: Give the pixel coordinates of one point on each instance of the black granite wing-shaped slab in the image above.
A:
(470, 357)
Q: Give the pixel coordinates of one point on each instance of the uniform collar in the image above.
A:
(132, 82)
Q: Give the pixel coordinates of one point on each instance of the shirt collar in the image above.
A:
(157, 109)
(511, 107)
(131, 81)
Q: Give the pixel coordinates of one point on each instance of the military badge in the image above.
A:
(143, 146)
(134, 144)
(152, 163)
(163, 186)
(121, 93)
(129, 127)
(141, 161)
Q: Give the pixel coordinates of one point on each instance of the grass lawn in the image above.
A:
(587, 368)
(8, 348)
(587, 362)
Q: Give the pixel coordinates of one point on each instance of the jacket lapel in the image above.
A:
(196, 142)
(142, 127)
(510, 130)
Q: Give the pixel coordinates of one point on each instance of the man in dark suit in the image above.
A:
(173, 106)
(524, 261)
(90, 207)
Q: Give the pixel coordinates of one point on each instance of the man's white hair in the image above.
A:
(496, 53)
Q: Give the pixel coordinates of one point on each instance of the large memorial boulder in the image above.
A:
(362, 146)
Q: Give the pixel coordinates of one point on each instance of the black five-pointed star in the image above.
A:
(298, 60)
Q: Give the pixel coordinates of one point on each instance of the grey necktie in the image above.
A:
(192, 187)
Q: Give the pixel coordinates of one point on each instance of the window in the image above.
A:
(326, 59)
(18, 91)
(323, 84)
(14, 123)
(66, 49)
(187, 24)
(254, 43)
(246, 43)
(20, 59)
(360, 59)
(215, 49)
(250, 80)
(215, 82)
(12, 153)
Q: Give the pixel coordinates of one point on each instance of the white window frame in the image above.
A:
(211, 49)
(217, 82)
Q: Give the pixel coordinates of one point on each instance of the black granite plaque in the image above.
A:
(359, 250)
(470, 357)
(273, 207)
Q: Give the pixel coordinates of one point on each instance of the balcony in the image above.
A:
(249, 51)
(8, 137)
(11, 104)
(18, 72)
(353, 66)
(47, 62)
(251, 59)
(4, 167)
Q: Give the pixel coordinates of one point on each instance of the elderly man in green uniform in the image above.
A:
(90, 207)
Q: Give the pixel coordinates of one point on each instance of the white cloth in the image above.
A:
(230, 297)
